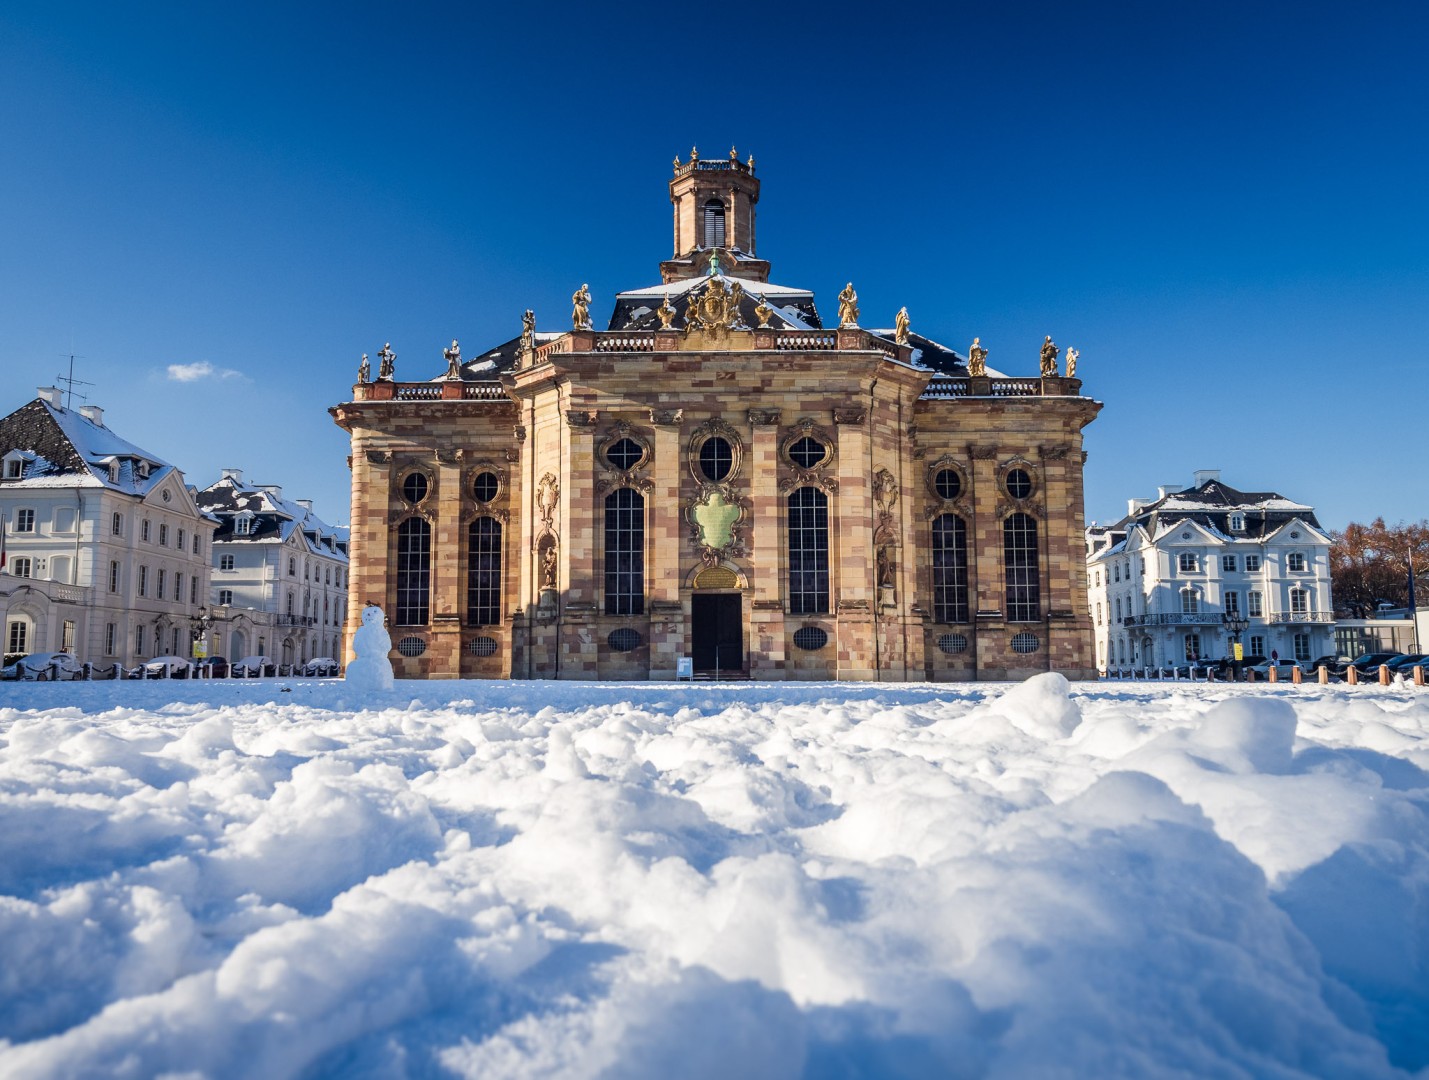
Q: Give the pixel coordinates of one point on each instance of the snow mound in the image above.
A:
(562, 879)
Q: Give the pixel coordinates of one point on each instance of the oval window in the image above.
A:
(948, 484)
(412, 646)
(414, 488)
(482, 646)
(624, 639)
(1024, 642)
(485, 487)
(716, 458)
(1019, 484)
(953, 643)
(810, 638)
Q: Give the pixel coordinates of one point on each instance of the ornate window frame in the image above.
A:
(632, 477)
(1009, 504)
(946, 463)
(715, 427)
(405, 472)
(797, 476)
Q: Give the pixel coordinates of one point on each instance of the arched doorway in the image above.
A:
(237, 646)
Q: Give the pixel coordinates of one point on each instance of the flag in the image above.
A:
(2, 543)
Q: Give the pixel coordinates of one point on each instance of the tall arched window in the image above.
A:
(808, 552)
(483, 572)
(714, 224)
(624, 552)
(950, 569)
(1190, 601)
(414, 572)
(1019, 557)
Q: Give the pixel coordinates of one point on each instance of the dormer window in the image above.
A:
(114, 472)
(14, 467)
(243, 525)
(1237, 523)
(713, 221)
(143, 470)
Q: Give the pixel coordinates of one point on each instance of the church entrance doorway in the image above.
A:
(717, 631)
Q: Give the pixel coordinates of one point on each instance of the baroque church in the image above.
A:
(717, 483)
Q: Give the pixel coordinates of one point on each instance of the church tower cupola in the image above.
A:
(714, 202)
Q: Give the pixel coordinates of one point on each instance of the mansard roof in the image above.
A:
(71, 450)
(793, 308)
(1210, 505)
(275, 520)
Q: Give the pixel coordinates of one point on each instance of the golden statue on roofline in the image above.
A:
(977, 358)
(580, 308)
(900, 327)
(848, 306)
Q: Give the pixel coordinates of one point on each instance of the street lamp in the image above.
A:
(1235, 624)
(198, 628)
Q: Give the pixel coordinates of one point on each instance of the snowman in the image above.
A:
(371, 670)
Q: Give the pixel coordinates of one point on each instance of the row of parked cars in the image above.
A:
(1366, 667)
(46, 667)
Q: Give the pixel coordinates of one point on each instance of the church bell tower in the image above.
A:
(714, 212)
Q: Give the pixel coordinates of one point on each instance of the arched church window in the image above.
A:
(808, 552)
(624, 552)
(483, 572)
(714, 224)
(414, 572)
(1019, 556)
(950, 569)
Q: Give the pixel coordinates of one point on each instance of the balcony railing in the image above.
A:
(1175, 618)
(296, 620)
(1300, 617)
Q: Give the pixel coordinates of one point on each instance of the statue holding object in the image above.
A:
(1049, 358)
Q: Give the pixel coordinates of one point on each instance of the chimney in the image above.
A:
(93, 413)
(51, 395)
(275, 490)
(1204, 476)
(1134, 506)
(1163, 490)
(236, 475)
(306, 504)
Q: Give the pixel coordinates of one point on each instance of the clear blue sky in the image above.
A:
(1222, 205)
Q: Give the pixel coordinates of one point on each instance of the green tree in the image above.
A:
(1369, 565)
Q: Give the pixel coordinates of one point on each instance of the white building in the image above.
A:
(107, 556)
(1162, 578)
(279, 574)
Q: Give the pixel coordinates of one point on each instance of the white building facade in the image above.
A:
(107, 555)
(279, 585)
(1162, 580)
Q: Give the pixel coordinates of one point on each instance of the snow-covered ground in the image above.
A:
(269, 879)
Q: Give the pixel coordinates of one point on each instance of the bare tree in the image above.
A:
(1370, 564)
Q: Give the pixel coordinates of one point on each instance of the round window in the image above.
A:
(716, 458)
(485, 487)
(624, 639)
(482, 646)
(953, 643)
(412, 646)
(810, 638)
(808, 453)
(1019, 484)
(414, 488)
(625, 454)
(948, 484)
(167, 496)
(1024, 642)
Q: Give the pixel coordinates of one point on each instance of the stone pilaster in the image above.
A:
(851, 543)
(665, 543)
(766, 631)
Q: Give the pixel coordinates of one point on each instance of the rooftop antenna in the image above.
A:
(72, 382)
